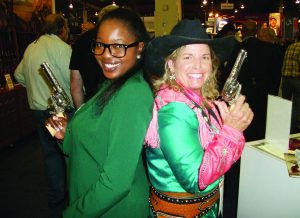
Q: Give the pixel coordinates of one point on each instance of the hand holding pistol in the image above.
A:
(59, 102)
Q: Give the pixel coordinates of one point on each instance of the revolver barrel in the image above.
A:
(232, 88)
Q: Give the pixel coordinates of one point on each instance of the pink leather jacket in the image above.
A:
(222, 144)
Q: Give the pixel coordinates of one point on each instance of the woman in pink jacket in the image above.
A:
(193, 139)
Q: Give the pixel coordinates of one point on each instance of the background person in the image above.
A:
(290, 85)
(189, 144)
(264, 25)
(104, 139)
(227, 30)
(267, 34)
(52, 48)
(259, 76)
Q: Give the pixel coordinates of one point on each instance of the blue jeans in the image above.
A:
(54, 160)
(291, 91)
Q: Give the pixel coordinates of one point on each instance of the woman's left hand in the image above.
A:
(59, 124)
(238, 116)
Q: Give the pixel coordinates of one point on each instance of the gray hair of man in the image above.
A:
(54, 24)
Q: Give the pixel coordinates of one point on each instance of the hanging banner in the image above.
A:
(227, 6)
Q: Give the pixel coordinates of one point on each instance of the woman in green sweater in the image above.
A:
(104, 139)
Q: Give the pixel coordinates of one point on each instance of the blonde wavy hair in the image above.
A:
(209, 89)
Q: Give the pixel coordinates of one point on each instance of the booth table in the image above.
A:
(265, 188)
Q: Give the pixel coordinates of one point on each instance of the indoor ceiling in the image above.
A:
(190, 7)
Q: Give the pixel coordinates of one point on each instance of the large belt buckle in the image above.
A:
(160, 214)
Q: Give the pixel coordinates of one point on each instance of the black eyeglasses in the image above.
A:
(116, 50)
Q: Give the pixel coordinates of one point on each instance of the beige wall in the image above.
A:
(167, 13)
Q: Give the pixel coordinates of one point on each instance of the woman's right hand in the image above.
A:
(238, 116)
(58, 124)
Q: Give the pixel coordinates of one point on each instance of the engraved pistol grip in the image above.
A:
(231, 91)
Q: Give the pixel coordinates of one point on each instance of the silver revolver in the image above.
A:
(232, 88)
(59, 101)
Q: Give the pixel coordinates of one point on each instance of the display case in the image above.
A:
(16, 119)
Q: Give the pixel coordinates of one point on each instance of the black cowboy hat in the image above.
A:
(185, 32)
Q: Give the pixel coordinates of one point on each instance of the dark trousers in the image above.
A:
(291, 91)
(54, 161)
(231, 191)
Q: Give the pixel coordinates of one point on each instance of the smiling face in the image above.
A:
(192, 66)
(114, 31)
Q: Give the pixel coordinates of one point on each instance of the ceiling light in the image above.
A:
(71, 5)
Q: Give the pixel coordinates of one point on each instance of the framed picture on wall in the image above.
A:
(275, 23)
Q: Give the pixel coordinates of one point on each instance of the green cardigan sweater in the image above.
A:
(106, 176)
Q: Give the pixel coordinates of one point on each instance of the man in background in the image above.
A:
(291, 82)
(259, 76)
(268, 35)
(53, 49)
(86, 74)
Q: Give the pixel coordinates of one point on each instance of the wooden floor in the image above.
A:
(23, 188)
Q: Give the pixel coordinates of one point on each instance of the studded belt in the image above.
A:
(182, 205)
